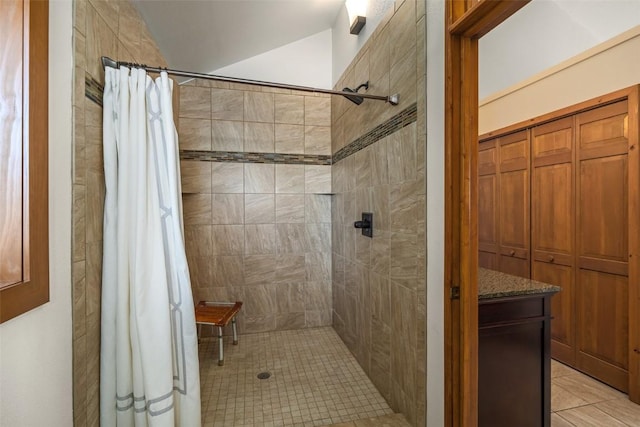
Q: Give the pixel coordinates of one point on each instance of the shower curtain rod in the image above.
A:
(392, 99)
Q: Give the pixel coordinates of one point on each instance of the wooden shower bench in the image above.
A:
(218, 314)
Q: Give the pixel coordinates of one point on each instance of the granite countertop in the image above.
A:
(494, 284)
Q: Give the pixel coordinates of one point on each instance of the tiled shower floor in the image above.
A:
(315, 381)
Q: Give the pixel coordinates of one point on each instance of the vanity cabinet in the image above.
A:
(514, 362)
(579, 230)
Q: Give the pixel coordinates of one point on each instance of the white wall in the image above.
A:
(546, 32)
(435, 212)
(35, 348)
(605, 68)
(305, 62)
(347, 45)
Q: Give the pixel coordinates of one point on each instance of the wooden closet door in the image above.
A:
(602, 242)
(513, 204)
(552, 226)
(488, 244)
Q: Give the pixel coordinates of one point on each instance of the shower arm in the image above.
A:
(108, 62)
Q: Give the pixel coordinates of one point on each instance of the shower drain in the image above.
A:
(263, 375)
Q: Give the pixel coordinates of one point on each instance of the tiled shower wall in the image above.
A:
(114, 29)
(258, 232)
(378, 283)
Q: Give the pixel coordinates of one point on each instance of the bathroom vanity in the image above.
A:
(514, 360)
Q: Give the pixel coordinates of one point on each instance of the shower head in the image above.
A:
(355, 98)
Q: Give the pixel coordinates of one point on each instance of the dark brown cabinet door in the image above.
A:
(513, 204)
(602, 244)
(552, 226)
(488, 244)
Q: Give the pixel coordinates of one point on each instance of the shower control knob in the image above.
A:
(366, 224)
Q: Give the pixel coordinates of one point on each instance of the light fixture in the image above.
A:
(356, 9)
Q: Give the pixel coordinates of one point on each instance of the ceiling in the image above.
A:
(205, 35)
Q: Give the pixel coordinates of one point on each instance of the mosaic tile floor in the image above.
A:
(315, 381)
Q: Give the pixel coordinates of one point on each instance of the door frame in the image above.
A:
(465, 22)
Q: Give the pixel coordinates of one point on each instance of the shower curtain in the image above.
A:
(149, 352)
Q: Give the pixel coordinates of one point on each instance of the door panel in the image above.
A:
(562, 327)
(514, 209)
(603, 206)
(488, 243)
(602, 291)
(602, 338)
(552, 208)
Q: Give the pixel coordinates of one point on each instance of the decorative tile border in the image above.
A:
(243, 157)
(395, 123)
(93, 89)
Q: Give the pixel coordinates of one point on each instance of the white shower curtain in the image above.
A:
(149, 356)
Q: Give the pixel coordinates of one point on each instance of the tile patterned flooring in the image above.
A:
(579, 400)
(315, 381)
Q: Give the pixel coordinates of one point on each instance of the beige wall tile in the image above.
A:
(79, 222)
(258, 269)
(290, 208)
(259, 208)
(318, 237)
(403, 266)
(95, 205)
(79, 299)
(290, 297)
(317, 318)
(194, 134)
(258, 107)
(227, 177)
(290, 268)
(196, 176)
(290, 178)
(379, 165)
(289, 139)
(317, 140)
(260, 300)
(227, 209)
(260, 239)
(317, 111)
(403, 80)
(80, 16)
(318, 267)
(259, 178)
(129, 29)
(317, 179)
(101, 41)
(227, 104)
(227, 271)
(317, 208)
(259, 137)
(401, 157)
(196, 208)
(227, 136)
(403, 213)
(286, 321)
(402, 31)
(289, 109)
(291, 238)
(195, 102)
(317, 295)
(93, 279)
(227, 240)
(198, 241)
